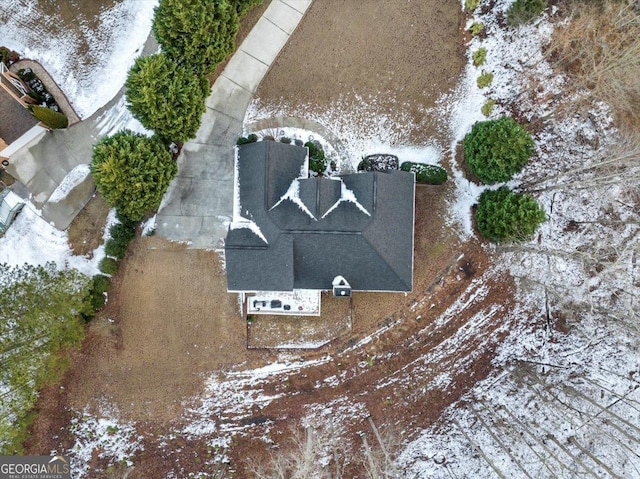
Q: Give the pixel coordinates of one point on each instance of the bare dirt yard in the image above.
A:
(85, 231)
(397, 56)
(169, 322)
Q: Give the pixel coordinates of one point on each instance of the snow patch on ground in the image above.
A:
(233, 396)
(74, 178)
(105, 434)
(93, 79)
(32, 240)
(560, 404)
(149, 226)
(362, 132)
(118, 118)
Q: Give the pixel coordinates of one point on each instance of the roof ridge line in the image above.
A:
(373, 248)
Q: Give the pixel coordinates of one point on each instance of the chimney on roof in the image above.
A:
(341, 288)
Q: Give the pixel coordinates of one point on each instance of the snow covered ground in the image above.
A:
(566, 404)
(90, 58)
(364, 132)
(559, 405)
(30, 239)
(104, 432)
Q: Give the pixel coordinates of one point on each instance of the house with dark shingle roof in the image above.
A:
(293, 232)
(17, 125)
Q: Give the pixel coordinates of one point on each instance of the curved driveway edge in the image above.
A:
(198, 205)
(301, 123)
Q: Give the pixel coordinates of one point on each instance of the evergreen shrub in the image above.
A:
(479, 56)
(476, 28)
(426, 174)
(317, 161)
(525, 11)
(52, 119)
(485, 79)
(503, 215)
(497, 149)
(109, 266)
(132, 172)
(195, 33)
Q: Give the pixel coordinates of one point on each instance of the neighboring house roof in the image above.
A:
(15, 119)
(292, 232)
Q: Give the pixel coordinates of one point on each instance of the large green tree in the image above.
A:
(504, 215)
(166, 97)
(132, 172)
(497, 149)
(40, 311)
(198, 33)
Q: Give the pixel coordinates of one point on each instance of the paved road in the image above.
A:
(198, 206)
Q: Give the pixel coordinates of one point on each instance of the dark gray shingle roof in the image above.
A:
(256, 269)
(244, 237)
(372, 249)
(319, 258)
(283, 164)
(15, 120)
(391, 189)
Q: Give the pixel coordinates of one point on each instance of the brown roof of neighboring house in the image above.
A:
(15, 120)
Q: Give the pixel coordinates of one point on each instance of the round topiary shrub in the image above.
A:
(426, 174)
(196, 33)
(166, 97)
(121, 236)
(108, 266)
(497, 149)
(503, 215)
(52, 119)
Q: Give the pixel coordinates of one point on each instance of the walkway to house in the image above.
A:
(198, 206)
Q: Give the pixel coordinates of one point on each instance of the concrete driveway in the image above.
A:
(198, 206)
(43, 165)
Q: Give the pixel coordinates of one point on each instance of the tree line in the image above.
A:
(166, 92)
(41, 312)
